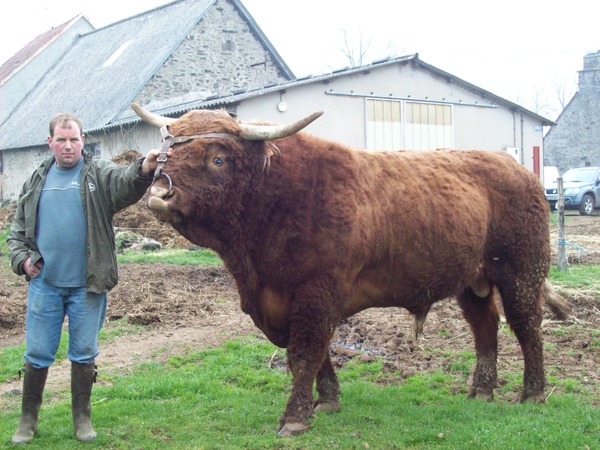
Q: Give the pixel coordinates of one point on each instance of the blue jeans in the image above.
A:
(47, 307)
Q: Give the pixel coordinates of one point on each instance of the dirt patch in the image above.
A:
(184, 308)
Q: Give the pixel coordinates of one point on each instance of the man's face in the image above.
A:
(67, 144)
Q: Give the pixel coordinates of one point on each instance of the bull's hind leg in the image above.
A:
(482, 316)
(523, 311)
(328, 388)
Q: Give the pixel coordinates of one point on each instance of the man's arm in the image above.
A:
(24, 260)
(149, 164)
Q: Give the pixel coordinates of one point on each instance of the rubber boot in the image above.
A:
(34, 381)
(83, 376)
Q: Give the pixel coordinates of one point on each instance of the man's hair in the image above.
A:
(63, 119)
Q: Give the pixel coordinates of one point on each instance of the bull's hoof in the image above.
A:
(481, 394)
(331, 406)
(292, 429)
(540, 397)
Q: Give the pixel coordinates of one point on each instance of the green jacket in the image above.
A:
(106, 188)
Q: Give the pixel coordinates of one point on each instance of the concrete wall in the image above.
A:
(17, 166)
(575, 140)
(477, 125)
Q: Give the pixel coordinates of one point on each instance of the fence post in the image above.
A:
(560, 206)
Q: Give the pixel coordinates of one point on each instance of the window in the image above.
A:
(94, 149)
(384, 124)
(401, 124)
(428, 126)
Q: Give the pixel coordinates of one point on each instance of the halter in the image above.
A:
(169, 140)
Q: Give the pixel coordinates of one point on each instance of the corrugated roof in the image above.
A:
(104, 70)
(178, 108)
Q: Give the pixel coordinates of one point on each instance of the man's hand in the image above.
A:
(32, 270)
(149, 164)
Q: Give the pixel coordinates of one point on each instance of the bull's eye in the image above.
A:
(218, 161)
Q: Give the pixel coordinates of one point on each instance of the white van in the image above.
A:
(550, 175)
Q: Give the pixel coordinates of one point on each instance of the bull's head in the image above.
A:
(211, 152)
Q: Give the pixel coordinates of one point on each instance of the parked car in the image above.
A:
(581, 190)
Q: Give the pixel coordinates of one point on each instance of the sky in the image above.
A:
(526, 51)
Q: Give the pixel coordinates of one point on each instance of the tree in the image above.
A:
(359, 50)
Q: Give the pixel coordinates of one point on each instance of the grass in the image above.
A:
(201, 257)
(579, 277)
(11, 358)
(230, 398)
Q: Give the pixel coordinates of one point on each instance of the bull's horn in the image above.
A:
(151, 118)
(270, 132)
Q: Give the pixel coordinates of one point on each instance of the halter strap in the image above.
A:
(169, 140)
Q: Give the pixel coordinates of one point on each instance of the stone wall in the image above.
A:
(575, 140)
(219, 56)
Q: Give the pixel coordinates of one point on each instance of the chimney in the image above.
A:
(589, 77)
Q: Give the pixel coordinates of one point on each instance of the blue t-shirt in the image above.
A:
(61, 228)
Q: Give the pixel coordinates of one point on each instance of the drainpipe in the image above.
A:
(522, 139)
(514, 129)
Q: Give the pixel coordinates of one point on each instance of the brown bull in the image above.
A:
(314, 232)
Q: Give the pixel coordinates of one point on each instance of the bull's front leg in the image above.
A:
(312, 323)
(299, 409)
(328, 388)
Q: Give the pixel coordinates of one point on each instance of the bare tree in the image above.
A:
(541, 105)
(564, 91)
(359, 50)
(552, 105)
(355, 51)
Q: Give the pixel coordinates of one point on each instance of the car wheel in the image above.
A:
(587, 205)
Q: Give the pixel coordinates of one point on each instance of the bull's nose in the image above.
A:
(159, 192)
(157, 204)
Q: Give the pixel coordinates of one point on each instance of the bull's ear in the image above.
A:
(270, 149)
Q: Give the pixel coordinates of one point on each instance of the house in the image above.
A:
(217, 57)
(215, 48)
(399, 103)
(575, 140)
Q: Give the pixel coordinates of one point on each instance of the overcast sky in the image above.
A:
(525, 51)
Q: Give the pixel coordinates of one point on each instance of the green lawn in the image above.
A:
(229, 398)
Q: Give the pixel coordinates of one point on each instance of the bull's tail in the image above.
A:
(558, 304)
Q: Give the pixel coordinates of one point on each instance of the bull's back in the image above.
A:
(433, 221)
(400, 224)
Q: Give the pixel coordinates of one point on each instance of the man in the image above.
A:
(62, 240)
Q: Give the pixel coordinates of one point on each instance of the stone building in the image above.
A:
(187, 49)
(575, 140)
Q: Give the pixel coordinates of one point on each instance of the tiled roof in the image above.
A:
(24, 55)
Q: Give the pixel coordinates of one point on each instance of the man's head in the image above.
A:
(66, 139)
